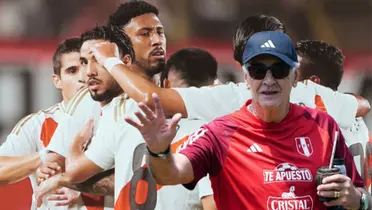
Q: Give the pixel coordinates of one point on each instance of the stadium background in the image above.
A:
(30, 30)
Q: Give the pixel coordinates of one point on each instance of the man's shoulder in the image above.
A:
(320, 117)
(225, 125)
(35, 120)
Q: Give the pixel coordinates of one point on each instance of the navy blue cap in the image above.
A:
(273, 43)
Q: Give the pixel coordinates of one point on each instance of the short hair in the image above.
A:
(251, 25)
(195, 66)
(67, 46)
(125, 12)
(112, 34)
(321, 59)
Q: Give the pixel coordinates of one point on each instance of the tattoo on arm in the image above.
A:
(101, 184)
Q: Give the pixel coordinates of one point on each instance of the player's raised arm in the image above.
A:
(158, 134)
(136, 86)
(199, 155)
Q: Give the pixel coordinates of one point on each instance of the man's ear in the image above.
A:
(166, 83)
(315, 79)
(246, 79)
(296, 78)
(57, 81)
(127, 60)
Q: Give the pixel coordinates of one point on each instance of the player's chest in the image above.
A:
(300, 149)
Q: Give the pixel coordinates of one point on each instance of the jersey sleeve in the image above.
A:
(208, 103)
(206, 149)
(342, 107)
(23, 140)
(205, 187)
(342, 151)
(64, 135)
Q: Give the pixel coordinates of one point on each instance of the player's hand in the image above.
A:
(65, 197)
(47, 170)
(46, 187)
(155, 129)
(83, 138)
(349, 195)
(102, 51)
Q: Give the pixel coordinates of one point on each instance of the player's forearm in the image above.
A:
(76, 171)
(13, 169)
(172, 170)
(208, 203)
(140, 89)
(101, 184)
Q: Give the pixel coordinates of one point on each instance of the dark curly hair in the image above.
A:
(321, 59)
(112, 34)
(129, 10)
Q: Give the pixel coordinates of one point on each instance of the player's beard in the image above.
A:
(151, 70)
(113, 91)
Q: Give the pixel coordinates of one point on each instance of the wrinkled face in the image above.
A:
(102, 86)
(149, 43)
(72, 76)
(270, 92)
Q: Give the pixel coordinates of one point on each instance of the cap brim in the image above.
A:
(282, 57)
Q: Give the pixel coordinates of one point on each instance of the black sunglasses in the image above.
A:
(258, 70)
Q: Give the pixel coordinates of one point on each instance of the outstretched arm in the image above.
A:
(14, 169)
(158, 134)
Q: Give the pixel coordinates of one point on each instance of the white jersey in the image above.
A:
(32, 134)
(78, 111)
(207, 103)
(124, 148)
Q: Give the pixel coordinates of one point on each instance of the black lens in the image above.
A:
(257, 71)
(278, 70)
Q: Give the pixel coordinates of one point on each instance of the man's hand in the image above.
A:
(46, 187)
(155, 129)
(65, 197)
(349, 196)
(47, 170)
(104, 50)
(83, 138)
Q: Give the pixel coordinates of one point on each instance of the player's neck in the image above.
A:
(275, 115)
(140, 71)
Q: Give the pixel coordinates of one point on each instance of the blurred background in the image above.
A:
(30, 30)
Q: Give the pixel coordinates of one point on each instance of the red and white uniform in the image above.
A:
(281, 159)
(81, 105)
(30, 135)
(124, 148)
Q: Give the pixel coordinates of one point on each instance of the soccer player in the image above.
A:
(203, 103)
(323, 63)
(23, 151)
(126, 153)
(261, 140)
(139, 20)
(103, 89)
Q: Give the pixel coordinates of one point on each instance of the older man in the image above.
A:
(245, 152)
